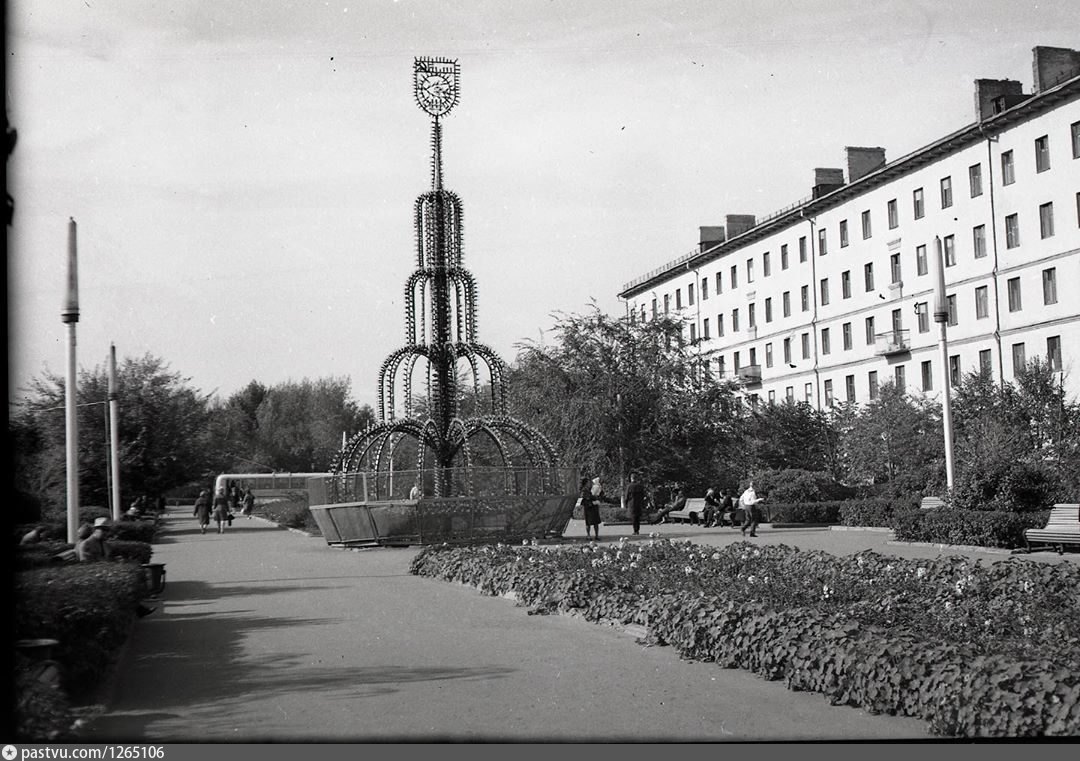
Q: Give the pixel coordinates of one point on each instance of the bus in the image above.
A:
(266, 486)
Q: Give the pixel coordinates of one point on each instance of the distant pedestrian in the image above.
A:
(234, 497)
(591, 507)
(221, 510)
(414, 492)
(751, 513)
(202, 509)
(635, 501)
(249, 502)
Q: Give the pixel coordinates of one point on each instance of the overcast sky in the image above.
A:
(243, 172)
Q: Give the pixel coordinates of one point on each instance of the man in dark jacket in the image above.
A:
(635, 501)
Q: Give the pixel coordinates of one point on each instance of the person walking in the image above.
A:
(749, 501)
(591, 508)
(635, 501)
(221, 510)
(249, 502)
(202, 509)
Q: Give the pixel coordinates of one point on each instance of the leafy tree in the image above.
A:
(793, 435)
(162, 433)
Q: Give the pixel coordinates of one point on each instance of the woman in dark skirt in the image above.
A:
(591, 508)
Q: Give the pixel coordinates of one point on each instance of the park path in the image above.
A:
(263, 634)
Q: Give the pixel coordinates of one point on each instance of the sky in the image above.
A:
(243, 172)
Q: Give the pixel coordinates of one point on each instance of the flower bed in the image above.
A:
(949, 640)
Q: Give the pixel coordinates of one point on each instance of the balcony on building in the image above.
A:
(749, 375)
(892, 342)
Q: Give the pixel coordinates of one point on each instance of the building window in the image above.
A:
(978, 240)
(949, 243)
(704, 289)
(678, 298)
(846, 331)
(690, 294)
(768, 310)
(954, 370)
(705, 329)
(1046, 220)
(1042, 153)
(975, 179)
(922, 309)
(654, 308)
(1018, 359)
(787, 350)
(872, 384)
(720, 367)
(753, 357)
(869, 331)
(643, 313)
(693, 333)
(1007, 176)
(898, 375)
(894, 217)
(1076, 139)
(789, 394)
(946, 192)
(849, 388)
(824, 291)
(749, 270)
(894, 267)
(736, 363)
(802, 249)
(719, 283)
(1053, 353)
(917, 203)
(868, 276)
(843, 233)
(786, 301)
(804, 294)
(805, 345)
(766, 265)
(772, 398)
(927, 376)
(822, 242)
(735, 320)
(768, 355)
(866, 224)
(826, 346)
(845, 284)
(950, 303)
(783, 256)
(751, 315)
(667, 303)
(828, 394)
(719, 325)
(1015, 302)
(1049, 278)
(897, 325)
(808, 393)
(734, 276)
(1012, 231)
(920, 260)
(982, 303)
(985, 364)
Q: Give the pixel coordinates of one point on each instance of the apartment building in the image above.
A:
(824, 301)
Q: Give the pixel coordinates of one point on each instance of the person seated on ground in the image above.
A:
(711, 513)
(678, 503)
(96, 546)
(34, 535)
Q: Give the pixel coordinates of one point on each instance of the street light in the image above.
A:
(941, 317)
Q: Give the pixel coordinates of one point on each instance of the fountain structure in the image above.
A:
(446, 462)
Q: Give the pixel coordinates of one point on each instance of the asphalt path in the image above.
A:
(268, 635)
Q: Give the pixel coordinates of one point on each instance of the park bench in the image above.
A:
(931, 503)
(1062, 528)
(694, 511)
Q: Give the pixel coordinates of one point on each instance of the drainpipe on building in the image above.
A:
(814, 303)
(994, 247)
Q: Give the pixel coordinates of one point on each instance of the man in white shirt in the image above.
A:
(748, 501)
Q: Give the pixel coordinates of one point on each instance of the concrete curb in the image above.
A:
(957, 547)
(873, 529)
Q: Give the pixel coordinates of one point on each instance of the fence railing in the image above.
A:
(372, 486)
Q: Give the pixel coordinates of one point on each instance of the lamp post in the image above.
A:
(69, 315)
(941, 317)
(114, 434)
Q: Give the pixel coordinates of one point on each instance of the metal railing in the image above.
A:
(892, 342)
(372, 486)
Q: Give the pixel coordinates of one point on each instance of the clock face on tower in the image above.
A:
(435, 82)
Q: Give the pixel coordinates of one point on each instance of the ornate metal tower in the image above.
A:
(442, 358)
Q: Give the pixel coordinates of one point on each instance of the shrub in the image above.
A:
(803, 512)
(87, 607)
(983, 528)
(139, 530)
(876, 512)
(291, 513)
(1004, 485)
(794, 485)
(42, 711)
(137, 552)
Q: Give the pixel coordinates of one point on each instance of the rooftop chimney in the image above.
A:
(1053, 65)
(827, 180)
(710, 236)
(992, 96)
(863, 161)
(737, 224)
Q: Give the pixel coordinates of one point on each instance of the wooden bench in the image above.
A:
(694, 511)
(1062, 528)
(931, 503)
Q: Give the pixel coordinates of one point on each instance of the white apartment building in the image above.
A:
(829, 298)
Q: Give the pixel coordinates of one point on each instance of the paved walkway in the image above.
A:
(269, 635)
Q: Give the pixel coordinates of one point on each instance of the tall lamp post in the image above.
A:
(114, 434)
(941, 317)
(69, 315)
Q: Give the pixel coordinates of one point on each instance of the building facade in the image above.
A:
(833, 296)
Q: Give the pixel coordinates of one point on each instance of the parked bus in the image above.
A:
(266, 486)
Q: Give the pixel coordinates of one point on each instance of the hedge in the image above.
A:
(874, 512)
(803, 512)
(982, 528)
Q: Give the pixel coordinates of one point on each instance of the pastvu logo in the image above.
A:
(10, 752)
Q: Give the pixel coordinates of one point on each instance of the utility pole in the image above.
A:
(941, 317)
(69, 315)
(114, 442)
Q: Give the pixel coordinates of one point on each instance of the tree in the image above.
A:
(162, 433)
(793, 435)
